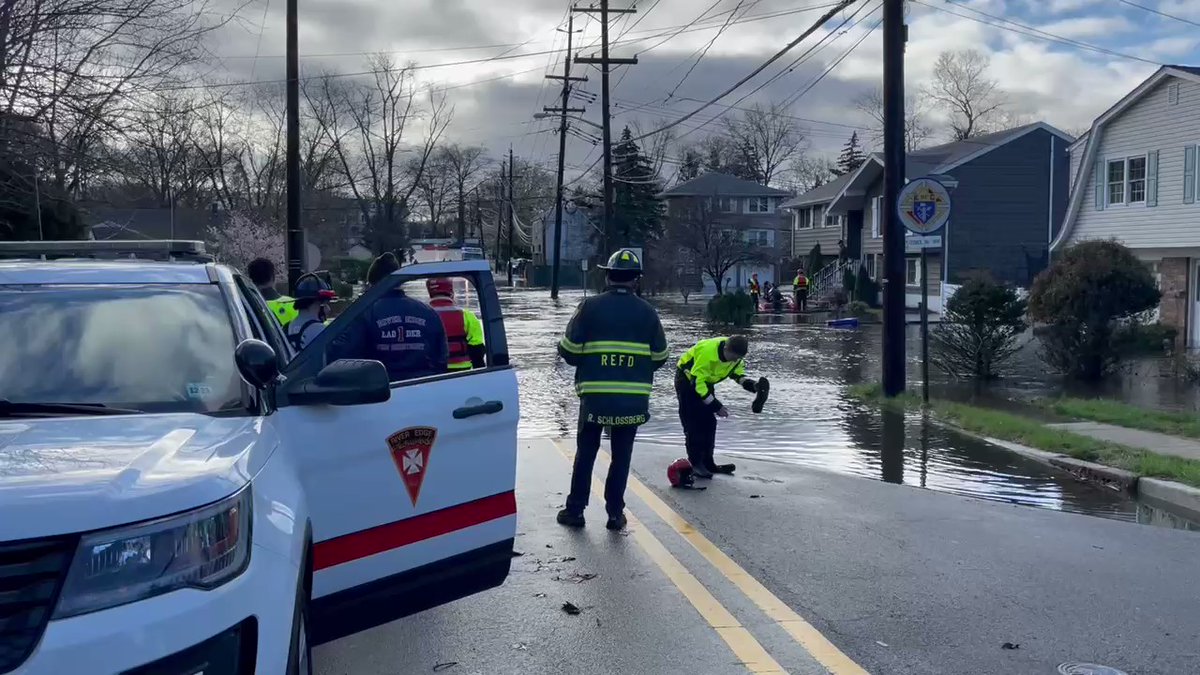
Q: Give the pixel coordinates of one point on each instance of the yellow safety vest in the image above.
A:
(704, 367)
(284, 308)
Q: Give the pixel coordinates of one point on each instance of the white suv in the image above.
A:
(181, 493)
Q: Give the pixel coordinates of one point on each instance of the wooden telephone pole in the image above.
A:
(605, 62)
(563, 109)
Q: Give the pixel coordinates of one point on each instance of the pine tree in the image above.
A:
(851, 158)
(690, 166)
(637, 213)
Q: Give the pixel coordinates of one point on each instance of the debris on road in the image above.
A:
(881, 643)
(1010, 645)
(520, 646)
(444, 666)
(539, 595)
(570, 608)
(517, 554)
(755, 496)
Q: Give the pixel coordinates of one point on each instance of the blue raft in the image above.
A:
(842, 323)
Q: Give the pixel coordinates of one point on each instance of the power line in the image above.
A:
(1160, 12)
(1030, 31)
(704, 52)
(778, 55)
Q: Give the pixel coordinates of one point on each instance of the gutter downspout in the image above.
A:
(1086, 166)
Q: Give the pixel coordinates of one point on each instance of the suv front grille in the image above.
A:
(31, 574)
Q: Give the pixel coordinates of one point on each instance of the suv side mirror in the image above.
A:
(257, 364)
(344, 382)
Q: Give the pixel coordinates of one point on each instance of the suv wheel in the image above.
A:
(300, 654)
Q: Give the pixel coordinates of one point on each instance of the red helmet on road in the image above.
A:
(680, 473)
(440, 287)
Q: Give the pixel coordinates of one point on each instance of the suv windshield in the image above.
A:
(154, 348)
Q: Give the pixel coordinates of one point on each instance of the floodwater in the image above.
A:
(809, 420)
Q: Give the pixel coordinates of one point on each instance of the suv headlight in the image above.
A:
(201, 549)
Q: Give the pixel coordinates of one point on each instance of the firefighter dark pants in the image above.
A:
(699, 423)
(587, 445)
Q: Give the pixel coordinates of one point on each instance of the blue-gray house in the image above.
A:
(1010, 194)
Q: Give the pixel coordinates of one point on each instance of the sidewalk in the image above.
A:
(1163, 444)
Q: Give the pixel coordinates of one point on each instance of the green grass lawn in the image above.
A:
(1017, 429)
(1125, 415)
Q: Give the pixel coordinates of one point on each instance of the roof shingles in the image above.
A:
(720, 184)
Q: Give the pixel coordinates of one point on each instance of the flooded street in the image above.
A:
(809, 420)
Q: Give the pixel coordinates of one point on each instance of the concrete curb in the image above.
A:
(1098, 473)
(1184, 498)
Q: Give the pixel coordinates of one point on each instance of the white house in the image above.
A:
(1134, 179)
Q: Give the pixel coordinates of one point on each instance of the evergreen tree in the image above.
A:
(637, 213)
(852, 156)
(690, 166)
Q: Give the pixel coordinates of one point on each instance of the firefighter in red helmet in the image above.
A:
(464, 332)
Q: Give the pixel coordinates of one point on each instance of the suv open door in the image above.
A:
(409, 484)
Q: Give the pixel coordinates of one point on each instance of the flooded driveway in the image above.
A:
(809, 420)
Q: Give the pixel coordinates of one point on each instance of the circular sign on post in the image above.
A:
(924, 206)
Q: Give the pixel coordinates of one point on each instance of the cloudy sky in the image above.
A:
(1061, 61)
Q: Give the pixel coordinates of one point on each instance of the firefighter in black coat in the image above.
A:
(615, 341)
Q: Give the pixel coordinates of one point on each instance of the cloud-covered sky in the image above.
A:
(1061, 61)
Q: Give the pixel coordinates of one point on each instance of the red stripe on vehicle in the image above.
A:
(357, 545)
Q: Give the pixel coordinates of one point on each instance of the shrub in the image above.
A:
(813, 264)
(1081, 297)
(849, 280)
(979, 330)
(730, 309)
(865, 288)
(1143, 339)
(858, 309)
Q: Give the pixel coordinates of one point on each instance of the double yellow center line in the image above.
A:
(743, 644)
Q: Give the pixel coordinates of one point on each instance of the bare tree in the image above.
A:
(368, 129)
(771, 134)
(917, 128)
(808, 172)
(435, 188)
(962, 88)
(465, 162)
(711, 246)
(657, 147)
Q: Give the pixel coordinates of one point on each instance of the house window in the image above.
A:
(758, 237)
(758, 205)
(804, 219)
(912, 271)
(832, 220)
(727, 204)
(876, 216)
(872, 263)
(1136, 170)
(1127, 180)
(1116, 182)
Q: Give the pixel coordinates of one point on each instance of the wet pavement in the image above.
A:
(809, 421)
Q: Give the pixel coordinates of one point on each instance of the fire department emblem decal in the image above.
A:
(410, 450)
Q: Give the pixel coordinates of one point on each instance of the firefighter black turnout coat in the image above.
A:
(615, 341)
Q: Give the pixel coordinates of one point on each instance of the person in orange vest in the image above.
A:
(800, 286)
(754, 290)
(464, 332)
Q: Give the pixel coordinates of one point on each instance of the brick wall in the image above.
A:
(1173, 306)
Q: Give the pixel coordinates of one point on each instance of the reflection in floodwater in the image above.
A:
(809, 420)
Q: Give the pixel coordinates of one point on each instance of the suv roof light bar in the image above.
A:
(153, 249)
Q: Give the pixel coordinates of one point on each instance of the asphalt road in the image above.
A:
(896, 579)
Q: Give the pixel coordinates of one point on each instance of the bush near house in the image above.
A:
(979, 330)
(1145, 339)
(730, 309)
(1081, 298)
(865, 288)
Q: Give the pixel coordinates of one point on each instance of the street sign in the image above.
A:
(921, 242)
(583, 264)
(472, 250)
(924, 206)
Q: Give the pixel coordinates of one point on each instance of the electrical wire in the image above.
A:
(778, 55)
(1160, 12)
(704, 51)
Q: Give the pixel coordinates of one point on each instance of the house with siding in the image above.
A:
(1134, 179)
(745, 207)
(1010, 191)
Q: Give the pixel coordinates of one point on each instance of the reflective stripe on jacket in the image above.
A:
(615, 341)
(463, 330)
(704, 368)
(800, 282)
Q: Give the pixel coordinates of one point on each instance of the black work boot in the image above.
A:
(723, 468)
(570, 519)
(616, 522)
(700, 471)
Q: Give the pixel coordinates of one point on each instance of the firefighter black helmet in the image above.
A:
(624, 260)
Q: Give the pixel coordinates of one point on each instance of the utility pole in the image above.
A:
(563, 109)
(511, 215)
(894, 37)
(499, 214)
(605, 61)
(295, 236)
